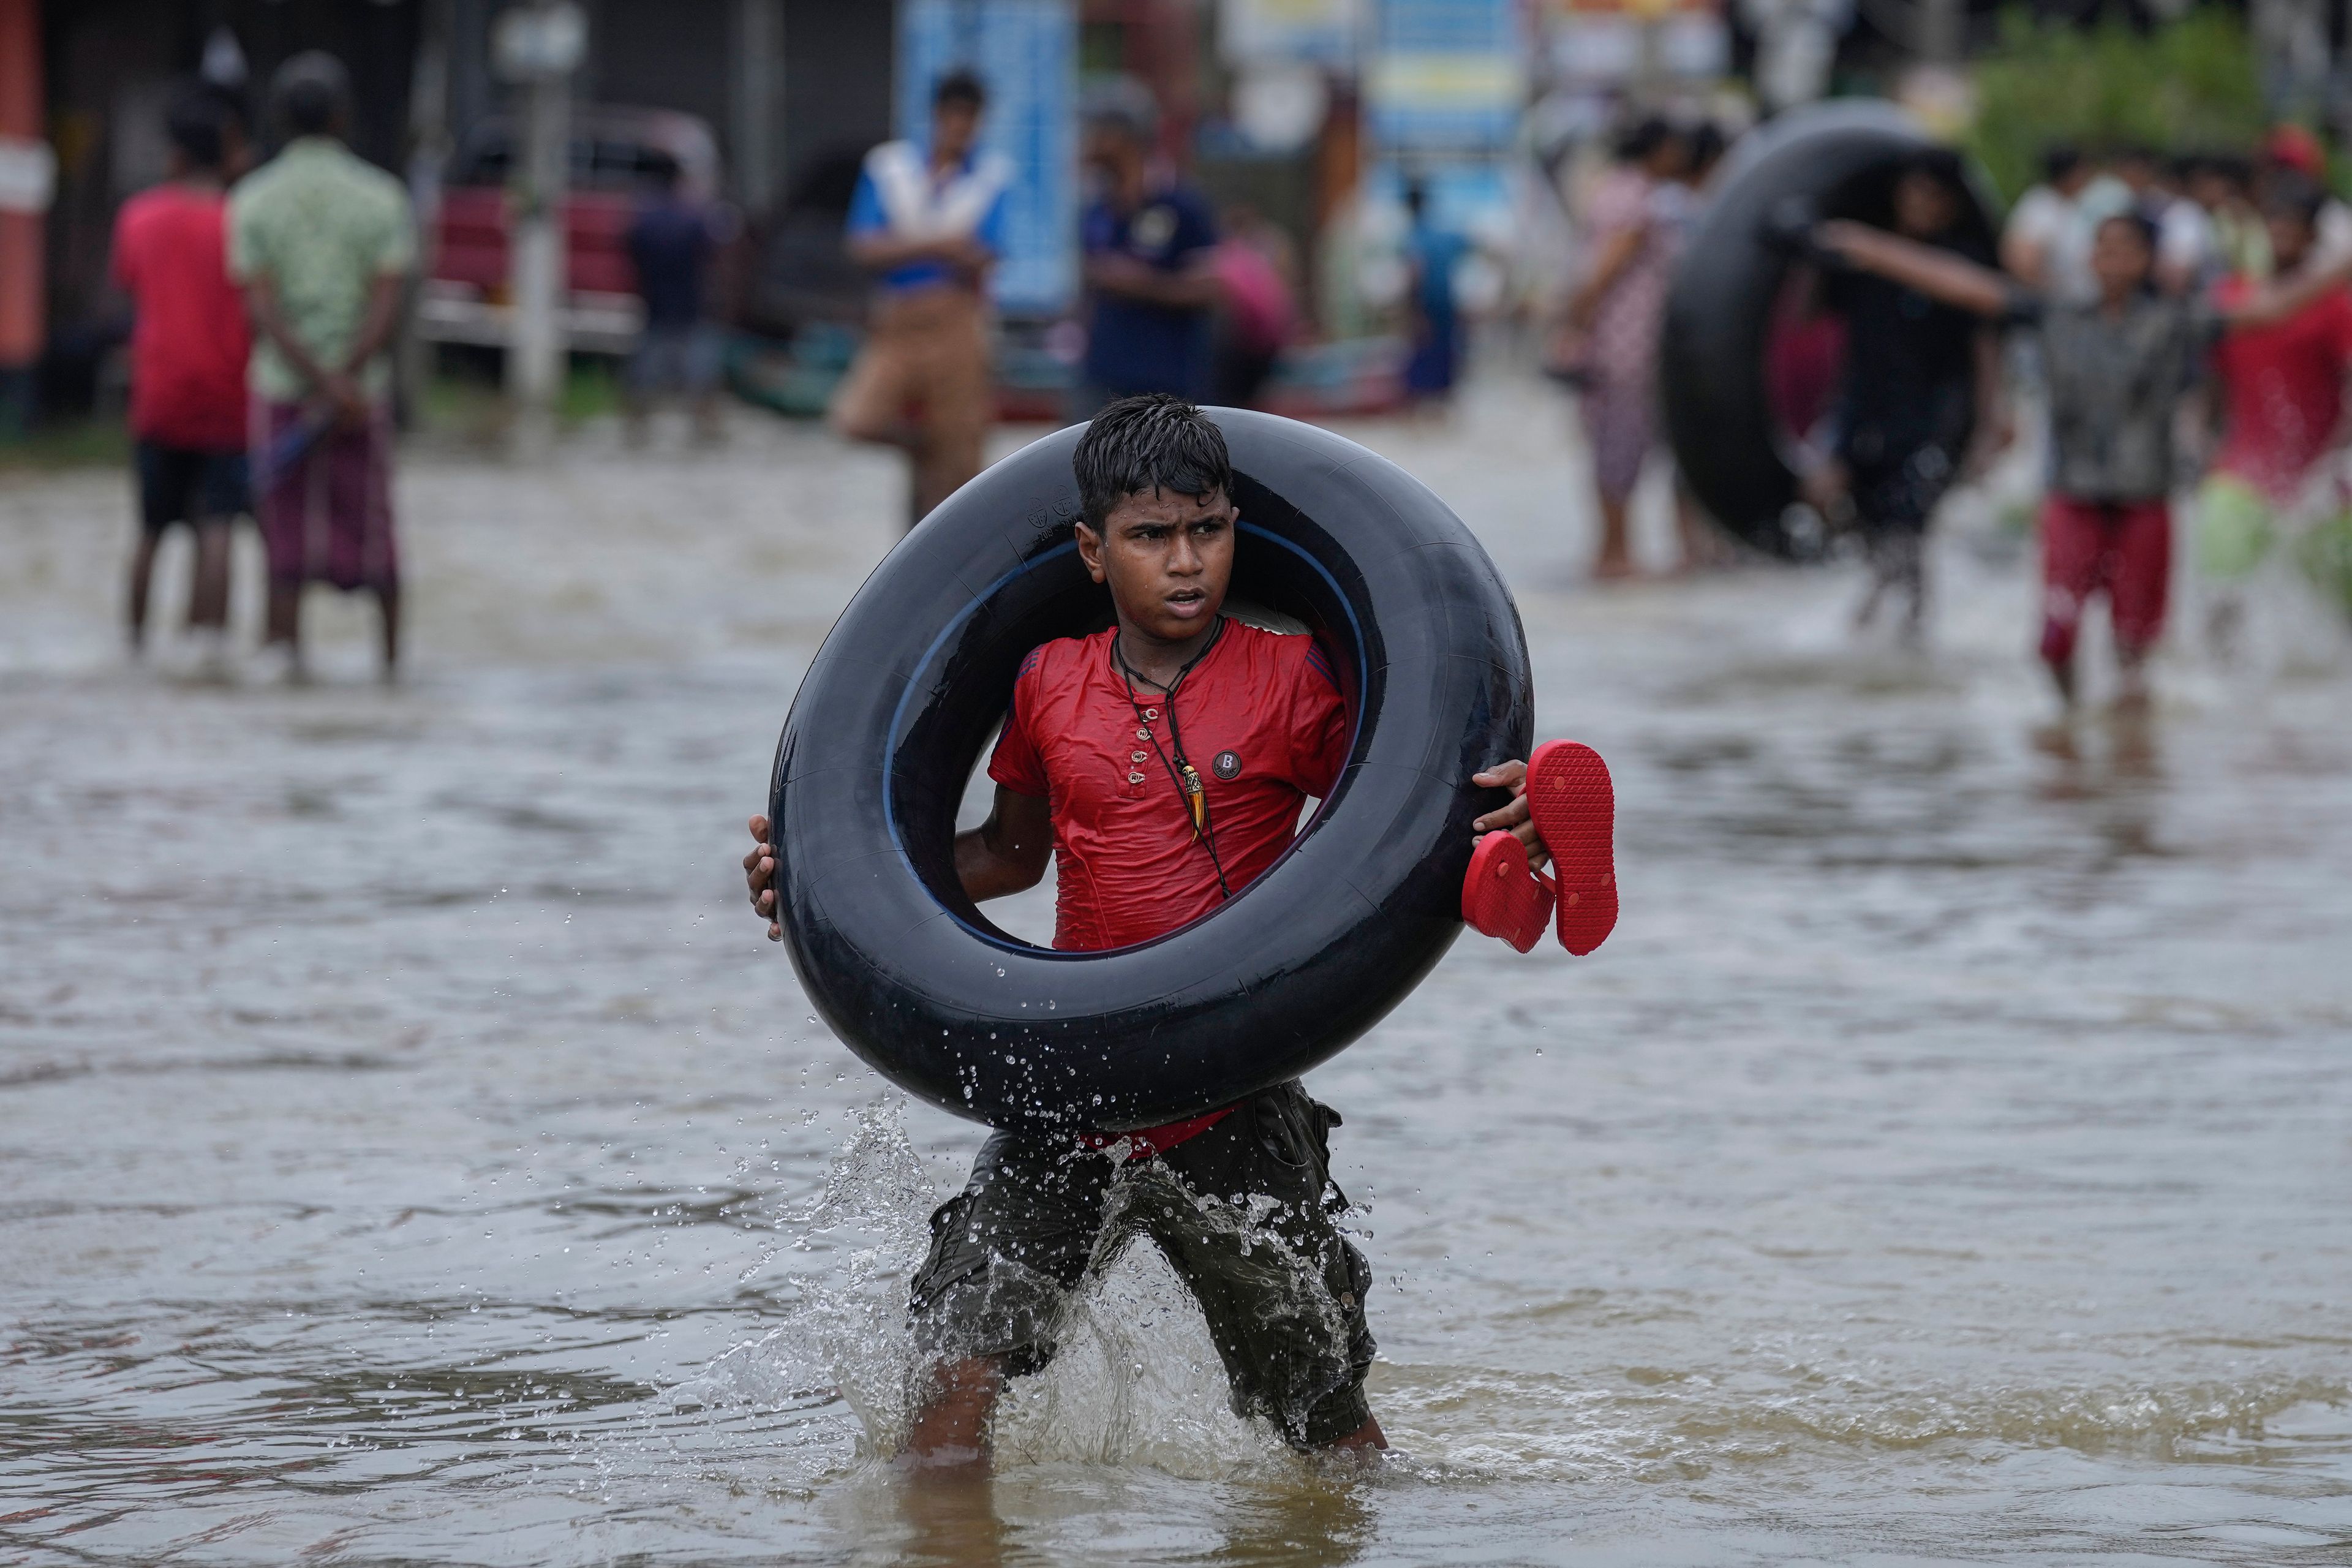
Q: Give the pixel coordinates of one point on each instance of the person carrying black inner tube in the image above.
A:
(1921, 378)
(1163, 762)
(2117, 368)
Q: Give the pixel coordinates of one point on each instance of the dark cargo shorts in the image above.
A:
(1245, 1212)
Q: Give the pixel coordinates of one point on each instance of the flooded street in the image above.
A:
(410, 1150)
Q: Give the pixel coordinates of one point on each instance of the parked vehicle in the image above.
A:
(615, 151)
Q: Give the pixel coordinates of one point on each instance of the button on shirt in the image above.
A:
(900, 195)
(1135, 346)
(1261, 721)
(322, 225)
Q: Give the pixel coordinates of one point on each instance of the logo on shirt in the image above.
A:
(1153, 227)
(1228, 767)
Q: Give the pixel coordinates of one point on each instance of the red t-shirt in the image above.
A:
(189, 346)
(1262, 723)
(2282, 386)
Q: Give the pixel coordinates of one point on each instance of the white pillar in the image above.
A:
(535, 355)
(539, 46)
(757, 85)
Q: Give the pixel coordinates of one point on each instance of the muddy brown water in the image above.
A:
(409, 1150)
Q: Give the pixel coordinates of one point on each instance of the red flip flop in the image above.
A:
(1575, 811)
(1501, 897)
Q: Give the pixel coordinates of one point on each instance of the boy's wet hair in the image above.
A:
(193, 121)
(1153, 443)
(960, 87)
(2292, 196)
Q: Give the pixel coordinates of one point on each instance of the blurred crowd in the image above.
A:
(2179, 325)
(266, 295)
(2177, 329)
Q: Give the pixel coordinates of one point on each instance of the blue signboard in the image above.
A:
(1025, 51)
(1448, 75)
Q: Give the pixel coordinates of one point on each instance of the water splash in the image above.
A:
(1136, 1381)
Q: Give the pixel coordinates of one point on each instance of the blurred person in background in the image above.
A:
(2222, 186)
(2291, 151)
(1151, 247)
(671, 239)
(1613, 319)
(1433, 315)
(238, 154)
(928, 223)
(1921, 382)
(189, 345)
(2117, 369)
(2282, 395)
(321, 241)
(1257, 271)
(2047, 244)
(2187, 245)
(2144, 177)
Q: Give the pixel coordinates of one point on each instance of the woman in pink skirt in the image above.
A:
(1614, 314)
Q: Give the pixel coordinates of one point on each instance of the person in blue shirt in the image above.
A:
(1431, 255)
(1150, 270)
(671, 241)
(928, 223)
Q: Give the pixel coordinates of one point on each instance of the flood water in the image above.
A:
(410, 1150)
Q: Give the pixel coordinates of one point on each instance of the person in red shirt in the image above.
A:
(189, 344)
(1163, 764)
(2281, 385)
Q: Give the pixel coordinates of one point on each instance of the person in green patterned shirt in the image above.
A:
(321, 240)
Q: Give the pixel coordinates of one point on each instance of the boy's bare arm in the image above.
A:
(883, 252)
(2282, 297)
(1193, 285)
(269, 321)
(1006, 854)
(376, 324)
(1933, 271)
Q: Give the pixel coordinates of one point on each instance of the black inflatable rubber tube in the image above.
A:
(912, 680)
(1841, 160)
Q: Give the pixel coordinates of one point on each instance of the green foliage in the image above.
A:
(2181, 87)
(81, 443)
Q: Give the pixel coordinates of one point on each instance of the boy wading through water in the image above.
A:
(2117, 368)
(1163, 764)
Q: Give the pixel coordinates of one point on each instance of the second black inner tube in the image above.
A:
(1840, 160)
